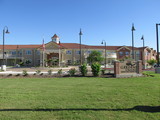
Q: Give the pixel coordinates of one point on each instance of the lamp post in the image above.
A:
(16, 55)
(157, 43)
(80, 47)
(133, 29)
(142, 38)
(104, 42)
(5, 30)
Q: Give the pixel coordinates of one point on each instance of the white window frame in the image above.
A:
(78, 52)
(68, 52)
(28, 52)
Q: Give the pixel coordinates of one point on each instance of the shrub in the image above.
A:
(18, 74)
(24, 73)
(10, 75)
(83, 70)
(59, 72)
(103, 71)
(151, 62)
(21, 63)
(49, 72)
(38, 72)
(96, 67)
(72, 71)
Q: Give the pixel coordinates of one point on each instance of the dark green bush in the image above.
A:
(83, 70)
(103, 71)
(96, 68)
(72, 71)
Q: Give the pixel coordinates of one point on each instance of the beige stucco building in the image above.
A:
(56, 53)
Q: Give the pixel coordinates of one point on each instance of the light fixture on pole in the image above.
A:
(80, 34)
(5, 30)
(104, 42)
(157, 44)
(133, 29)
(143, 59)
(142, 38)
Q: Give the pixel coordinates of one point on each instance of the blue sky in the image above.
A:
(110, 20)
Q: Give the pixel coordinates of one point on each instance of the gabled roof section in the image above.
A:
(124, 47)
(55, 36)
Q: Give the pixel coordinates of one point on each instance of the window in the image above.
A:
(127, 53)
(13, 52)
(88, 52)
(147, 53)
(77, 61)
(137, 53)
(100, 51)
(121, 53)
(69, 62)
(108, 53)
(38, 52)
(19, 53)
(28, 52)
(78, 52)
(68, 52)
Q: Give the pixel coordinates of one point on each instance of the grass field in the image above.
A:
(80, 98)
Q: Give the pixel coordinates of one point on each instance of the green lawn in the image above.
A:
(80, 98)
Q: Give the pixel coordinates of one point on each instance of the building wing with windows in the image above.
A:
(56, 53)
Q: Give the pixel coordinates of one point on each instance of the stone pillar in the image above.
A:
(139, 67)
(116, 68)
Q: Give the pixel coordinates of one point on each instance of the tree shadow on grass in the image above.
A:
(151, 109)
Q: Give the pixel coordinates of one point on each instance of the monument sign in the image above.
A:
(127, 68)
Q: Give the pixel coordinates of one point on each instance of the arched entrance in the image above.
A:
(53, 59)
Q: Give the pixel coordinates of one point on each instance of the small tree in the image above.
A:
(151, 62)
(95, 56)
(96, 68)
(83, 70)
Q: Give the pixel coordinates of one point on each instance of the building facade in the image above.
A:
(56, 53)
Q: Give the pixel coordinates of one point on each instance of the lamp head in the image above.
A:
(80, 33)
(142, 38)
(7, 31)
(133, 29)
(102, 42)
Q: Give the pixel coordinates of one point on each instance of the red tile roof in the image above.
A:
(68, 46)
(19, 46)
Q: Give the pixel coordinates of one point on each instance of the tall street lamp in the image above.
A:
(133, 29)
(142, 38)
(80, 47)
(5, 30)
(157, 44)
(104, 42)
(16, 55)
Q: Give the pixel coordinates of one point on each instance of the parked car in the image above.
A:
(156, 65)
